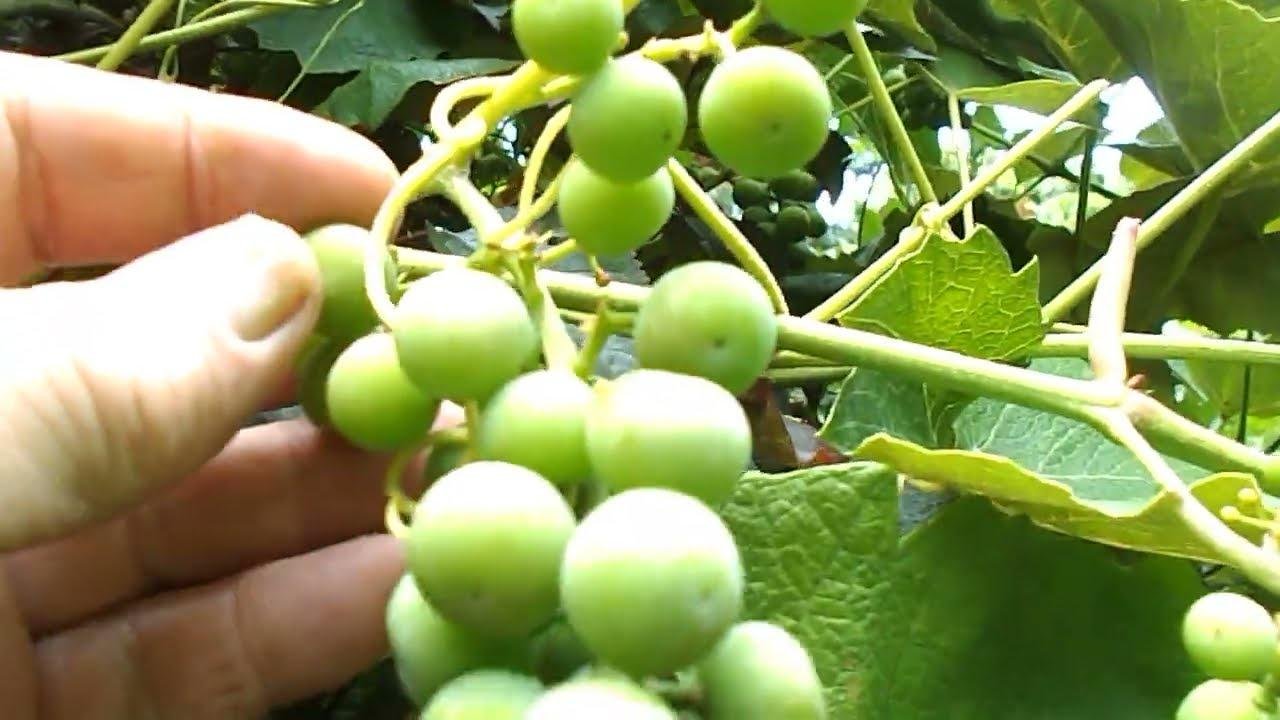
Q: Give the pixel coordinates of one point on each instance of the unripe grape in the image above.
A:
(313, 368)
(815, 18)
(651, 581)
(371, 402)
(764, 111)
(570, 37)
(708, 319)
(610, 218)
(598, 699)
(484, 695)
(1222, 700)
(748, 193)
(795, 185)
(539, 421)
(628, 119)
(486, 544)
(463, 333)
(346, 312)
(758, 671)
(429, 650)
(1230, 636)
(793, 224)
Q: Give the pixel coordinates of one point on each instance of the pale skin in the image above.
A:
(156, 560)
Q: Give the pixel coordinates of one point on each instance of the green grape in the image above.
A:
(654, 428)
(570, 37)
(313, 368)
(1222, 700)
(709, 319)
(443, 458)
(651, 581)
(708, 177)
(485, 547)
(764, 111)
(463, 333)
(371, 402)
(612, 218)
(748, 193)
(345, 312)
(814, 18)
(484, 695)
(539, 421)
(429, 651)
(628, 119)
(793, 224)
(757, 215)
(1230, 636)
(594, 698)
(758, 671)
(817, 223)
(768, 229)
(558, 653)
(795, 185)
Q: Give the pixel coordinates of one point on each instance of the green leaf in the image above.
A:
(900, 16)
(370, 97)
(1071, 35)
(961, 295)
(871, 402)
(1222, 384)
(1060, 448)
(970, 78)
(1212, 65)
(974, 616)
(379, 30)
(1151, 525)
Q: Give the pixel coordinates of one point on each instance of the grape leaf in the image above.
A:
(1212, 65)
(370, 96)
(378, 30)
(1071, 35)
(900, 16)
(958, 295)
(870, 402)
(970, 78)
(936, 626)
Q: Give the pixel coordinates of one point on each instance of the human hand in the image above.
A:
(161, 562)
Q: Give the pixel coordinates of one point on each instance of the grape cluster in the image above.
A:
(783, 209)
(567, 559)
(1235, 641)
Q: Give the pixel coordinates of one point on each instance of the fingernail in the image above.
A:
(278, 278)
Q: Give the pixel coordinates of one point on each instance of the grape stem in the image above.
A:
(1206, 184)
(888, 113)
(177, 36)
(724, 228)
(960, 141)
(128, 42)
(909, 240)
(601, 327)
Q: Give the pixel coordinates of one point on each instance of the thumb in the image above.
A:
(113, 387)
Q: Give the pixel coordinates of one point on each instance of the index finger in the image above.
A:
(98, 168)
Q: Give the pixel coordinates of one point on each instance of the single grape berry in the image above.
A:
(484, 695)
(596, 698)
(654, 428)
(429, 651)
(1230, 636)
(815, 18)
(708, 177)
(709, 319)
(558, 653)
(757, 215)
(651, 581)
(1222, 700)
(539, 421)
(485, 546)
(764, 111)
(371, 402)
(758, 671)
(793, 224)
(313, 368)
(749, 193)
(817, 223)
(611, 218)
(463, 333)
(570, 37)
(345, 312)
(795, 185)
(628, 119)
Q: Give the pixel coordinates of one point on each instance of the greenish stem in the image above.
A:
(601, 328)
(909, 241)
(1175, 435)
(556, 253)
(186, 33)
(1179, 205)
(1161, 347)
(734, 241)
(1049, 169)
(128, 43)
(1086, 96)
(888, 113)
(1110, 302)
(1083, 185)
(857, 105)
(807, 375)
(959, 138)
